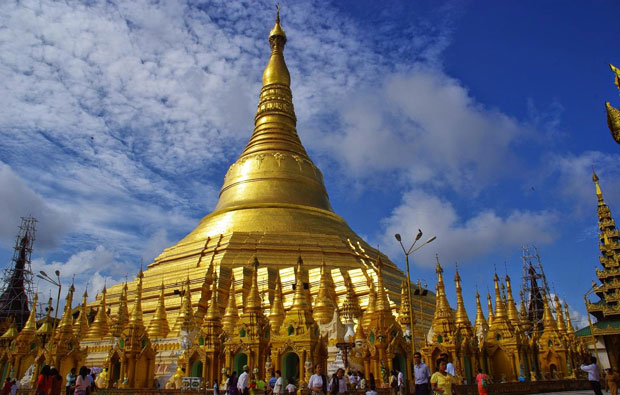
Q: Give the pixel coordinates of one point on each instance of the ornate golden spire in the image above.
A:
(274, 168)
(29, 330)
(481, 323)
(212, 324)
(231, 314)
(205, 296)
(122, 315)
(185, 320)
(548, 321)
(81, 327)
(324, 305)
(443, 321)
(513, 314)
(500, 310)
(383, 304)
(213, 311)
(136, 321)
(100, 326)
(350, 308)
(11, 332)
(613, 114)
(526, 324)
(490, 309)
(403, 314)
(560, 315)
(370, 307)
(569, 323)
(462, 320)
(253, 303)
(46, 329)
(159, 327)
(608, 233)
(277, 314)
(300, 313)
(66, 321)
(300, 302)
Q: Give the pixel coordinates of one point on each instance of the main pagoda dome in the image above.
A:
(273, 205)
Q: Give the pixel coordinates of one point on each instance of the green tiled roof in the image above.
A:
(599, 325)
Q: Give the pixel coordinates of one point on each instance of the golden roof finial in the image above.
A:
(122, 314)
(490, 308)
(66, 321)
(253, 303)
(31, 323)
(548, 321)
(461, 314)
(100, 326)
(513, 314)
(599, 193)
(11, 331)
(231, 314)
(81, 327)
(324, 305)
(569, 323)
(371, 305)
(276, 71)
(383, 304)
(500, 310)
(185, 320)
(46, 328)
(213, 311)
(299, 298)
(350, 308)
(276, 313)
(137, 319)
(159, 327)
(481, 322)
(559, 315)
(405, 308)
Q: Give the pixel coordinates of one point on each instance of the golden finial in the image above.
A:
(31, 323)
(11, 332)
(136, 321)
(371, 305)
(490, 309)
(253, 302)
(100, 326)
(122, 315)
(324, 306)
(277, 313)
(513, 314)
(548, 321)
(481, 322)
(299, 298)
(213, 311)
(81, 328)
(405, 308)
(185, 320)
(616, 72)
(231, 314)
(599, 193)
(559, 315)
(350, 308)
(569, 323)
(159, 327)
(383, 304)
(500, 311)
(66, 321)
(461, 313)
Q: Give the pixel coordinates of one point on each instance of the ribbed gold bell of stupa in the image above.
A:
(273, 204)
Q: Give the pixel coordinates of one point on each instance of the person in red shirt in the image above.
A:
(44, 382)
(56, 387)
(6, 390)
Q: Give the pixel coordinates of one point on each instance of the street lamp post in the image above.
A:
(44, 276)
(408, 252)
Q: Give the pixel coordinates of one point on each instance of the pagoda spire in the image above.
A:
(462, 320)
(277, 313)
(300, 302)
(608, 233)
(253, 303)
(213, 311)
(569, 323)
(159, 327)
(500, 309)
(524, 319)
(490, 309)
(324, 305)
(29, 330)
(404, 317)
(212, 324)
(66, 321)
(382, 303)
(136, 320)
(46, 329)
(185, 320)
(559, 315)
(443, 321)
(481, 324)
(81, 327)
(205, 296)
(122, 314)
(549, 323)
(231, 314)
(351, 308)
(513, 314)
(100, 326)
(371, 305)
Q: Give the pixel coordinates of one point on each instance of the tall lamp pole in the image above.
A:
(44, 276)
(408, 252)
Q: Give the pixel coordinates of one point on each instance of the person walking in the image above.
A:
(449, 365)
(82, 384)
(442, 381)
(6, 389)
(422, 375)
(56, 387)
(338, 385)
(44, 382)
(278, 387)
(318, 382)
(243, 384)
(70, 385)
(482, 380)
(594, 375)
(232, 384)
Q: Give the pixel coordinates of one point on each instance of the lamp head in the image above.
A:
(57, 273)
(431, 239)
(397, 235)
(419, 235)
(43, 273)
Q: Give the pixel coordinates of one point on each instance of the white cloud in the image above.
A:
(19, 200)
(461, 239)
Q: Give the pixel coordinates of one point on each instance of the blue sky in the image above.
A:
(478, 122)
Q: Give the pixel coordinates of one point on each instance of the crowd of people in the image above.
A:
(49, 382)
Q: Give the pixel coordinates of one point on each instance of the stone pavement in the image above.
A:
(582, 392)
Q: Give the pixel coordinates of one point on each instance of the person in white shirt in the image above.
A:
(290, 388)
(449, 365)
(318, 382)
(243, 384)
(594, 375)
(339, 383)
(401, 382)
(278, 388)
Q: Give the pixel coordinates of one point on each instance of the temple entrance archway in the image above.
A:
(115, 363)
(502, 367)
(399, 362)
(197, 369)
(290, 367)
(238, 362)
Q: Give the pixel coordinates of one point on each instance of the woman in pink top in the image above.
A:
(482, 389)
(82, 383)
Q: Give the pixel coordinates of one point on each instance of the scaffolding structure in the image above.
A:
(534, 283)
(17, 287)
